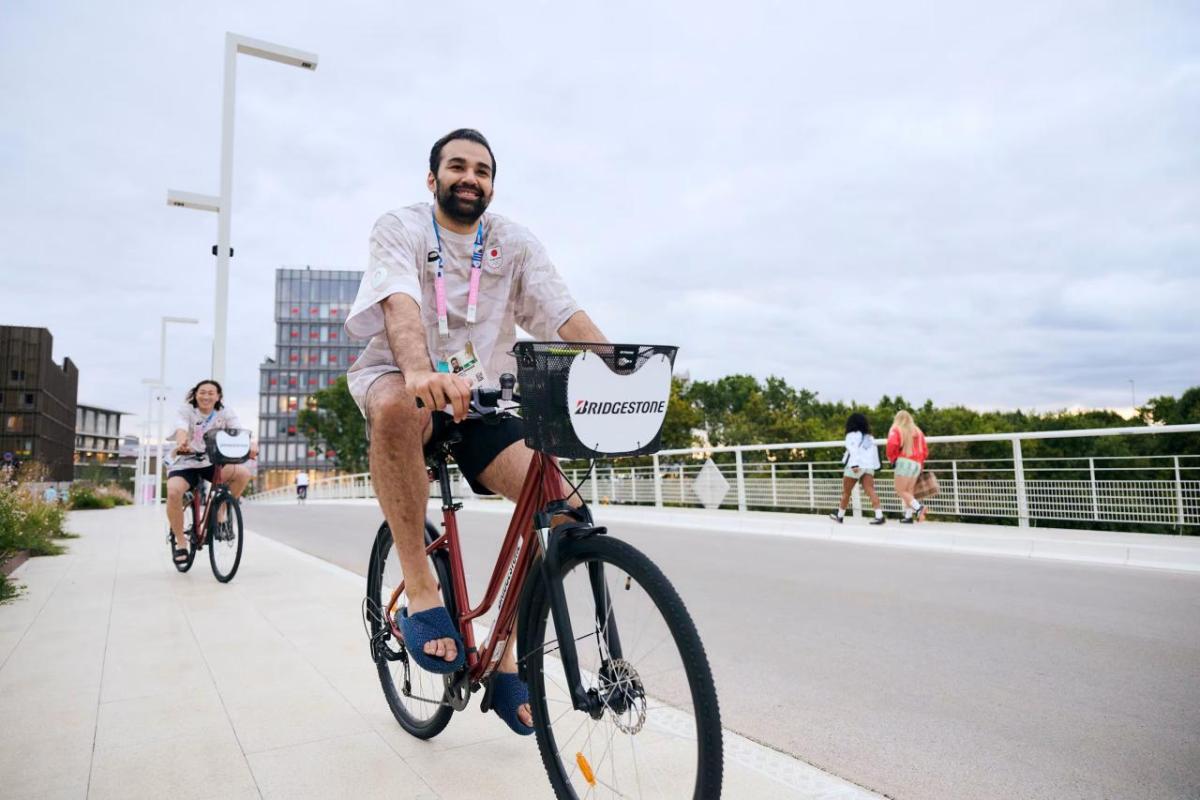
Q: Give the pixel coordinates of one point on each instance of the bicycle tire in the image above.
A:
(621, 559)
(383, 551)
(189, 528)
(218, 547)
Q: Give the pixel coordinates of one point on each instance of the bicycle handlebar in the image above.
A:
(486, 401)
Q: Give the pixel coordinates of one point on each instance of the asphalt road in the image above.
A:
(916, 674)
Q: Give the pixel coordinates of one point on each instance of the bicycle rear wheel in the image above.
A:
(416, 697)
(225, 537)
(189, 533)
(659, 728)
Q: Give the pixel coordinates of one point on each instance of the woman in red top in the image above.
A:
(907, 451)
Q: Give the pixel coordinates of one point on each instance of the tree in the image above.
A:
(335, 423)
(682, 417)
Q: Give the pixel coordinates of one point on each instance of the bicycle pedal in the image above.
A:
(485, 702)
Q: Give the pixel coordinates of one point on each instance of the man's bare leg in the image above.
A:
(399, 430)
(505, 476)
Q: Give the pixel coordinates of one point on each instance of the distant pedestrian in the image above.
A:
(301, 486)
(907, 451)
(50, 495)
(861, 459)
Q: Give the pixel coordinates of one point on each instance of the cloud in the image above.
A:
(970, 203)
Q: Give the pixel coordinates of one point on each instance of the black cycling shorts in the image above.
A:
(481, 443)
(193, 475)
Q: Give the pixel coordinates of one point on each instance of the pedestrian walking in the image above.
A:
(907, 451)
(861, 459)
(301, 486)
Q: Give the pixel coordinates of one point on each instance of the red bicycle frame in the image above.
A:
(200, 520)
(542, 486)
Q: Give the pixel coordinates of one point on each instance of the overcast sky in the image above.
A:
(995, 204)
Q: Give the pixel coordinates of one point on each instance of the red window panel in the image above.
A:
(291, 381)
(353, 358)
(312, 359)
(332, 358)
(333, 312)
(332, 380)
(312, 312)
(274, 381)
(330, 454)
(312, 453)
(295, 334)
(312, 381)
(314, 334)
(295, 311)
(291, 430)
(293, 357)
(333, 335)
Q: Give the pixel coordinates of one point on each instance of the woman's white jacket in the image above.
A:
(861, 451)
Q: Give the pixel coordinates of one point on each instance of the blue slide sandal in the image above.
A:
(506, 693)
(426, 626)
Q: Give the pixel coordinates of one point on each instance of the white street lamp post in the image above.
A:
(162, 395)
(143, 479)
(223, 204)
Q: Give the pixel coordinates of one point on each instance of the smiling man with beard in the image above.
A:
(449, 281)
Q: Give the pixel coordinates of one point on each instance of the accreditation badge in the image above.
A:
(466, 364)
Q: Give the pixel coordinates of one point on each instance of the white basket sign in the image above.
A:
(613, 413)
(232, 444)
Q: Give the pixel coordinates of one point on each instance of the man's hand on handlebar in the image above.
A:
(436, 390)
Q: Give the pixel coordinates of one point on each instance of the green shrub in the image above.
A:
(29, 523)
(84, 497)
(98, 495)
(8, 589)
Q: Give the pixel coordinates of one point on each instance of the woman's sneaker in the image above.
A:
(836, 518)
(907, 521)
(878, 521)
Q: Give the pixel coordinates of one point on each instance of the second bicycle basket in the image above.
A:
(584, 400)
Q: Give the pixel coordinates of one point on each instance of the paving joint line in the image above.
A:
(371, 728)
(72, 564)
(224, 708)
(112, 602)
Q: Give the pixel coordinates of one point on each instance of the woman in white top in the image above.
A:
(202, 413)
(861, 460)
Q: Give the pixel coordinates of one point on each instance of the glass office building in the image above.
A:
(311, 352)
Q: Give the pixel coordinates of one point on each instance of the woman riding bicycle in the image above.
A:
(203, 412)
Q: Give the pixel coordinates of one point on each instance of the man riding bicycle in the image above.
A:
(448, 283)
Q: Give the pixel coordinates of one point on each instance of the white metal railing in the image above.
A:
(1153, 489)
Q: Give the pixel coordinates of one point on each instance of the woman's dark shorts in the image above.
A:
(480, 444)
(194, 474)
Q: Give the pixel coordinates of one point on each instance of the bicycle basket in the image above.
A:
(227, 445)
(582, 400)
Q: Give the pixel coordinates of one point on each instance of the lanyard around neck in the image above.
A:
(439, 282)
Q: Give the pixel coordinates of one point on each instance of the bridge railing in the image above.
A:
(1150, 489)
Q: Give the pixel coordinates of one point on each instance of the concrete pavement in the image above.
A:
(121, 678)
(917, 672)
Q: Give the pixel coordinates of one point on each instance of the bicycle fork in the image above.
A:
(551, 540)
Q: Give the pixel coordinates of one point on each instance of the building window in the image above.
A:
(27, 400)
(16, 375)
(12, 423)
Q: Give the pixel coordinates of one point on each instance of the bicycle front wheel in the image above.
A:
(225, 537)
(657, 732)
